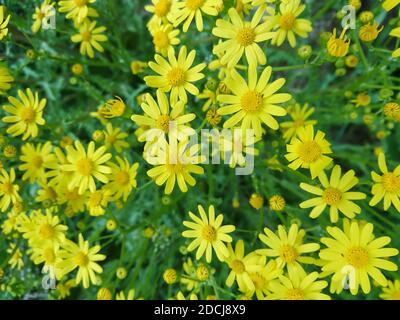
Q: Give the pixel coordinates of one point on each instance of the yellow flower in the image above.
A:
(5, 79)
(256, 201)
(3, 23)
(277, 203)
(170, 276)
(97, 202)
(77, 9)
(130, 296)
(208, 234)
(104, 294)
(48, 255)
(351, 61)
(86, 166)
(363, 99)
(15, 260)
(164, 38)
(176, 75)
(395, 33)
(254, 102)
(138, 67)
(287, 24)
(26, 114)
(113, 108)
(43, 229)
(74, 201)
(241, 266)
(309, 151)
(115, 138)
(42, 12)
(299, 117)
(8, 190)
(369, 32)
(390, 4)
(392, 110)
(36, 159)
(287, 247)
(359, 251)
(335, 194)
(162, 119)
(386, 186)
(392, 291)
(262, 279)
(187, 10)
(122, 178)
(89, 37)
(298, 286)
(160, 10)
(84, 258)
(242, 38)
(338, 47)
(176, 163)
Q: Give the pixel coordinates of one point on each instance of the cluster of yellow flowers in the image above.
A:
(72, 177)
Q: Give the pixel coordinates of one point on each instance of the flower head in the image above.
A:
(335, 194)
(26, 113)
(209, 234)
(338, 47)
(90, 37)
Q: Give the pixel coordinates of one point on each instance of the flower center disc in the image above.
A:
(81, 259)
(209, 233)
(251, 101)
(286, 22)
(122, 178)
(390, 182)
(162, 8)
(176, 77)
(162, 123)
(309, 151)
(332, 196)
(288, 254)
(295, 294)
(237, 266)
(246, 36)
(194, 4)
(160, 39)
(28, 114)
(358, 257)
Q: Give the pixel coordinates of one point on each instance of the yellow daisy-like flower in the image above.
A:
(392, 291)
(390, 4)
(16, 256)
(299, 286)
(89, 37)
(299, 117)
(335, 194)
(287, 248)
(36, 159)
(240, 266)
(75, 202)
(160, 10)
(363, 99)
(8, 190)
(97, 202)
(165, 37)
(263, 278)
(87, 166)
(3, 23)
(42, 12)
(338, 47)
(242, 38)
(309, 151)
(209, 234)
(113, 108)
(176, 163)
(43, 229)
(254, 102)
(76, 9)
(84, 258)
(122, 178)
(369, 32)
(287, 24)
(395, 33)
(176, 75)
(386, 186)
(115, 138)
(162, 119)
(48, 255)
(360, 251)
(26, 114)
(5, 79)
(187, 10)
